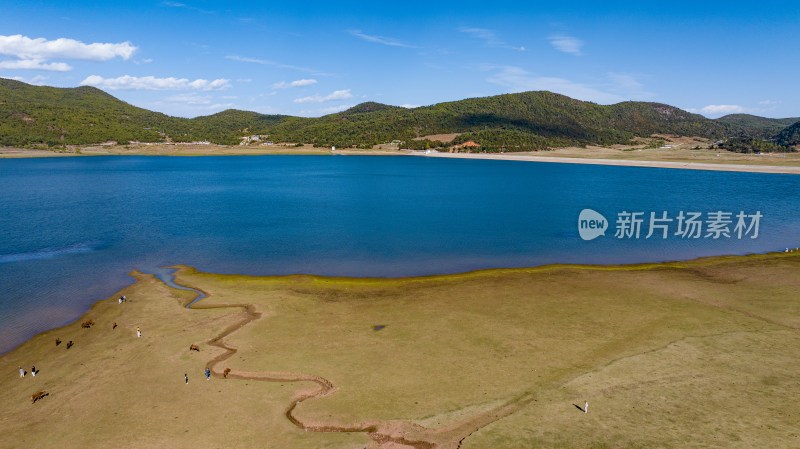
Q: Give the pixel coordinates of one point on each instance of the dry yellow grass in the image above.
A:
(697, 354)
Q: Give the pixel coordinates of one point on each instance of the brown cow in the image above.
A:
(69, 344)
(194, 348)
(58, 341)
(114, 325)
(87, 324)
(225, 373)
(36, 396)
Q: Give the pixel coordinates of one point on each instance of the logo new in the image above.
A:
(591, 224)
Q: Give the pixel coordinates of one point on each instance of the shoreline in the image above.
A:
(732, 162)
(292, 351)
(472, 274)
(748, 168)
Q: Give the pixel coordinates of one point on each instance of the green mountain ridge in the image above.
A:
(522, 121)
(789, 136)
(746, 125)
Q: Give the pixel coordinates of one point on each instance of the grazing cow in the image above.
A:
(194, 348)
(87, 324)
(225, 373)
(114, 325)
(69, 344)
(36, 396)
(58, 341)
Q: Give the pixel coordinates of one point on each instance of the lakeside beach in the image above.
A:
(515, 347)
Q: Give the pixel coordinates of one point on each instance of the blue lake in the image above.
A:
(72, 228)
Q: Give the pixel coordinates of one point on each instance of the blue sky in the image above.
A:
(197, 57)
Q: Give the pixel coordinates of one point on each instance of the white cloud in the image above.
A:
(35, 64)
(519, 80)
(128, 82)
(189, 99)
(334, 109)
(244, 80)
(325, 111)
(380, 39)
(489, 37)
(297, 83)
(409, 106)
(41, 49)
(37, 80)
(770, 102)
(567, 44)
(336, 95)
(721, 109)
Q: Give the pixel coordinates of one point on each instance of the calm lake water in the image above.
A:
(72, 228)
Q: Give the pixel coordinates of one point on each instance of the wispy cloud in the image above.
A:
(519, 80)
(334, 109)
(489, 37)
(380, 39)
(293, 84)
(128, 82)
(35, 64)
(722, 109)
(770, 102)
(566, 44)
(186, 6)
(37, 80)
(273, 63)
(628, 86)
(325, 111)
(336, 95)
(189, 99)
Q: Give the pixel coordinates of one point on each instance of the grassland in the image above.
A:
(690, 354)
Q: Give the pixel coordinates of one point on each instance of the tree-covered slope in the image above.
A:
(746, 125)
(789, 136)
(81, 115)
(551, 118)
(528, 120)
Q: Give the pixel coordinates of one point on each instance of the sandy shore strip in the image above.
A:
(621, 162)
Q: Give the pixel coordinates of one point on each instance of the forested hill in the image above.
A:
(529, 120)
(755, 126)
(789, 136)
(84, 115)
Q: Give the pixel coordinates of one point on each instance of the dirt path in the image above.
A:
(384, 434)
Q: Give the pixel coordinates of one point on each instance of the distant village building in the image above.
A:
(247, 140)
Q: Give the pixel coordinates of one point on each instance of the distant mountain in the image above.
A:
(528, 120)
(754, 126)
(517, 121)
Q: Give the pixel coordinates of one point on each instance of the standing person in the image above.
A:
(21, 372)
(586, 407)
(33, 371)
(208, 374)
(120, 299)
(138, 333)
(186, 378)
